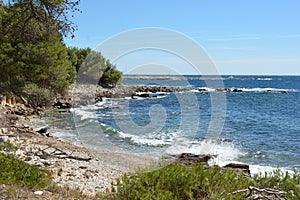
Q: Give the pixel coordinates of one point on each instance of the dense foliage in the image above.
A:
(14, 171)
(93, 68)
(49, 16)
(19, 173)
(111, 76)
(34, 61)
(177, 181)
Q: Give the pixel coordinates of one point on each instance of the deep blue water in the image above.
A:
(261, 123)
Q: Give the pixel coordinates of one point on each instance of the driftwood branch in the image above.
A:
(265, 193)
(58, 153)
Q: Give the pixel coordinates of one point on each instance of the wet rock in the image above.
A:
(202, 90)
(42, 131)
(190, 159)
(220, 90)
(237, 90)
(49, 135)
(238, 167)
(143, 95)
(62, 105)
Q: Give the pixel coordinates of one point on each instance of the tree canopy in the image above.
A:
(35, 62)
(93, 68)
(52, 14)
(33, 59)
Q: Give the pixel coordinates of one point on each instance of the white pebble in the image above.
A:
(39, 193)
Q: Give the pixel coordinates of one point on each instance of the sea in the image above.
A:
(256, 121)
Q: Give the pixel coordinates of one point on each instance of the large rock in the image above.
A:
(237, 90)
(191, 159)
(238, 167)
(62, 105)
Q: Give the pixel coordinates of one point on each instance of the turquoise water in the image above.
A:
(261, 122)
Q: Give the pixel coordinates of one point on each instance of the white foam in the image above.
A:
(89, 111)
(84, 114)
(194, 90)
(263, 89)
(160, 97)
(207, 89)
(245, 89)
(259, 169)
(224, 151)
(152, 139)
(264, 79)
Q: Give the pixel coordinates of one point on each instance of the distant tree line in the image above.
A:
(34, 61)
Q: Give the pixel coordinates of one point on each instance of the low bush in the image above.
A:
(19, 173)
(175, 181)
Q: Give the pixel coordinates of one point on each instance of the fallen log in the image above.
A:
(63, 155)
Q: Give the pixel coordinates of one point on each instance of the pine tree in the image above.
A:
(34, 62)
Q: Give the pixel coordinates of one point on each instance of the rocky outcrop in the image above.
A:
(155, 89)
(122, 91)
(63, 104)
(19, 109)
(86, 170)
(191, 159)
(237, 90)
(239, 167)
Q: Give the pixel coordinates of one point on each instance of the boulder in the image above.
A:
(202, 90)
(62, 105)
(237, 90)
(42, 131)
(191, 159)
(238, 167)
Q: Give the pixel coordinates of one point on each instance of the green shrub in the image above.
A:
(19, 173)
(175, 181)
(7, 146)
(281, 181)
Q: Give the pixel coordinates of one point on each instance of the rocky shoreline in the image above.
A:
(85, 94)
(88, 170)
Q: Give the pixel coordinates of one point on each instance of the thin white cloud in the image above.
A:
(235, 38)
(235, 48)
(290, 36)
(267, 60)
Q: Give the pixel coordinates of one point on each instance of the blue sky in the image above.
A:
(241, 37)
